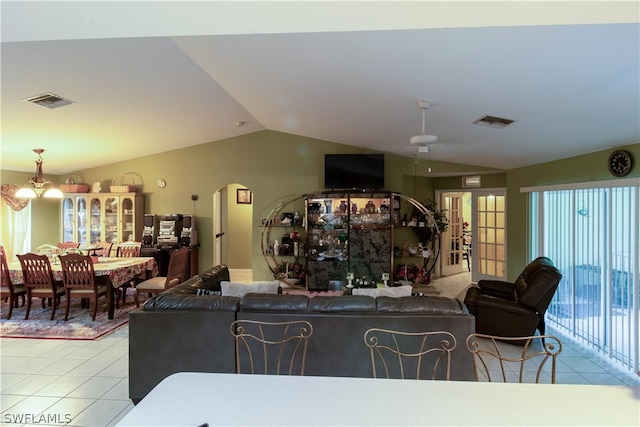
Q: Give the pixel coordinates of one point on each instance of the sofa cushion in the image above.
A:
(270, 302)
(346, 303)
(398, 291)
(168, 301)
(312, 294)
(427, 305)
(234, 289)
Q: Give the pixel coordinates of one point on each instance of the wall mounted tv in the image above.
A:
(354, 171)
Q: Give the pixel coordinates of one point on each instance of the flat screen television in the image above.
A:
(354, 171)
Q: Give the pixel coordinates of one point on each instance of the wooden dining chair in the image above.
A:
(64, 246)
(514, 359)
(38, 279)
(104, 249)
(275, 348)
(175, 275)
(129, 250)
(8, 291)
(395, 354)
(80, 281)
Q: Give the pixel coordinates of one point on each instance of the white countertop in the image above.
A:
(192, 399)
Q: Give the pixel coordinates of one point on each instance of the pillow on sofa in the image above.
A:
(396, 292)
(234, 289)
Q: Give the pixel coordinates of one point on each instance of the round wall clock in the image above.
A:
(162, 183)
(619, 163)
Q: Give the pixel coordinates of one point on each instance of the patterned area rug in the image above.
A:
(78, 327)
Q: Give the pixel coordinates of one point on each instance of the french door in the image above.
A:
(489, 239)
(451, 241)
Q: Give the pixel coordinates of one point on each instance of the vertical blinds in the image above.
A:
(592, 235)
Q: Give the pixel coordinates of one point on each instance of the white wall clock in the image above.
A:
(162, 183)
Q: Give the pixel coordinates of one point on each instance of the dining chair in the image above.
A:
(104, 249)
(175, 275)
(268, 347)
(39, 281)
(80, 281)
(395, 354)
(513, 358)
(9, 291)
(129, 250)
(65, 246)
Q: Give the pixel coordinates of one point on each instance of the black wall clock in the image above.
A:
(619, 163)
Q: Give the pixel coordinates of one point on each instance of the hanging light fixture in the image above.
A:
(41, 187)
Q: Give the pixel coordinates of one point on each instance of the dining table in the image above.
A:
(118, 270)
(217, 399)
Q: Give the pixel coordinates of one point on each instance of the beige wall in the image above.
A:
(275, 165)
(585, 168)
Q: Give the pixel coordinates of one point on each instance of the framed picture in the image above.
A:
(244, 196)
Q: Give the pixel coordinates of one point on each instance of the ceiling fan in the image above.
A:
(424, 143)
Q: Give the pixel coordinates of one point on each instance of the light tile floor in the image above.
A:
(85, 383)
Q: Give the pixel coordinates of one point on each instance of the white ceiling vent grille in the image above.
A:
(49, 100)
(493, 121)
(470, 181)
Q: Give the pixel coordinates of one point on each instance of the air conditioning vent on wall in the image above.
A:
(49, 100)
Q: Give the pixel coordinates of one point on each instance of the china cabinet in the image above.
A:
(331, 235)
(348, 233)
(110, 217)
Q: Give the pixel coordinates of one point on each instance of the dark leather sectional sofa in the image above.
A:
(179, 330)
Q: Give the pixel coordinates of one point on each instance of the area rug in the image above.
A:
(78, 327)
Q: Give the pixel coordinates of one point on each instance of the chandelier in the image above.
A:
(40, 187)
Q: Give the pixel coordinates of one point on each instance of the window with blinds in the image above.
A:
(592, 236)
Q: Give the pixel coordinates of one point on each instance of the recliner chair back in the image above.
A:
(537, 284)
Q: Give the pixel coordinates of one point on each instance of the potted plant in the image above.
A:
(429, 226)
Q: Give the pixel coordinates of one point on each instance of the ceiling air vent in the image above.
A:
(49, 100)
(493, 121)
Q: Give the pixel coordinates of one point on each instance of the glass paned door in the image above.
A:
(490, 235)
(127, 220)
(452, 240)
(68, 219)
(111, 220)
(82, 236)
(96, 220)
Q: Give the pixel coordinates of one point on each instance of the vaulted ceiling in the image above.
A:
(147, 77)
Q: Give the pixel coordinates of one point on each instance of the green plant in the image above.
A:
(434, 225)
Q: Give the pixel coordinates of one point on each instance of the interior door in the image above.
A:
(217, 228)
(451, 242)
(489, 239)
